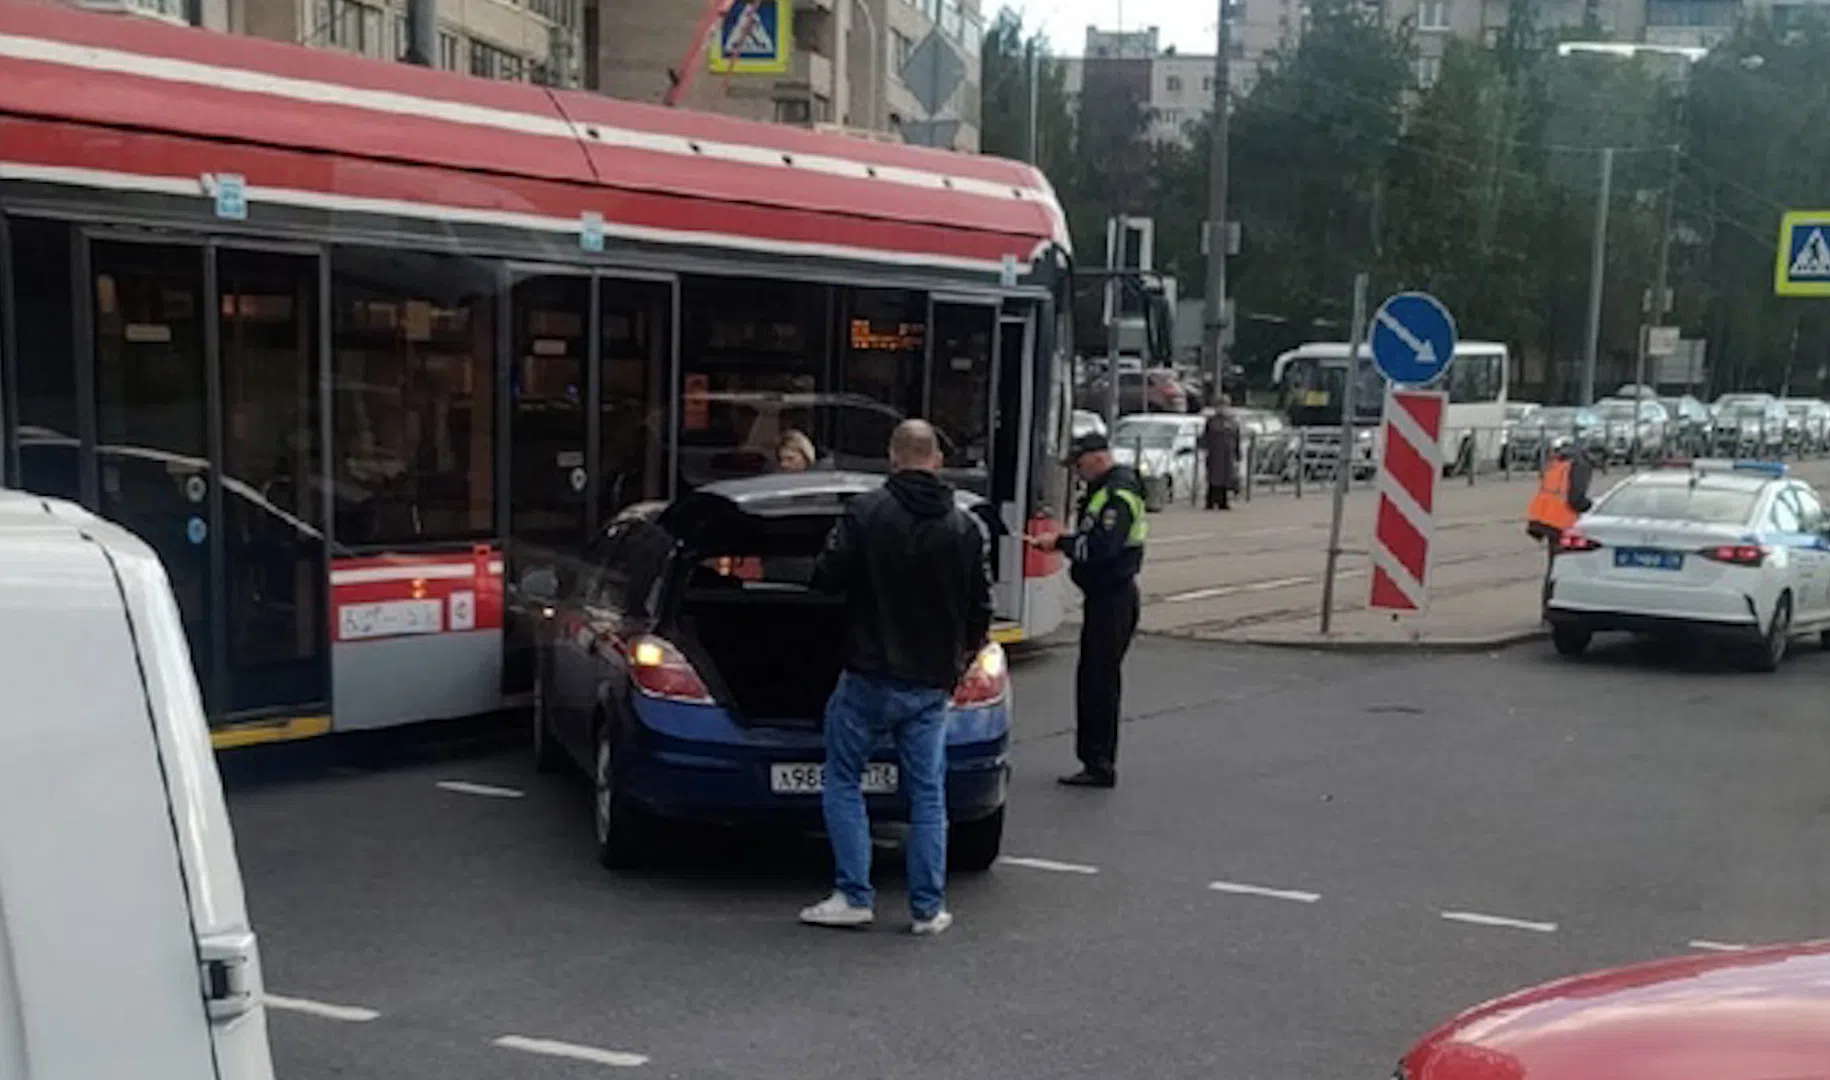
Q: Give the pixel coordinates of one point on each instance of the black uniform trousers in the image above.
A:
(1108, 622)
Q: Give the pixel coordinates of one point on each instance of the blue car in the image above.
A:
(686, 662)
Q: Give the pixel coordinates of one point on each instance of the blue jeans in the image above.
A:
(862, 710)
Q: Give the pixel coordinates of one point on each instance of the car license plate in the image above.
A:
(810, 779)
(1649, 558)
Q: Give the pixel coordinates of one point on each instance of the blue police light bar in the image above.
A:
(1775, 469)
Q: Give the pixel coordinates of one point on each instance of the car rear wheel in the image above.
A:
(547, 758)
(1570, 640)
(1778, 636)
(972, 846)
(622, 831)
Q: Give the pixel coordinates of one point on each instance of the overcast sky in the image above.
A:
(1186, 24)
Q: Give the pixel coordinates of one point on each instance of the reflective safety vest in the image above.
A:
(1140, 522)
(1550, 506)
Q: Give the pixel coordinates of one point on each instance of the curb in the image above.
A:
(1454, 645)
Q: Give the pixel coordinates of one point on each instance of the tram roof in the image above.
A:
(342, 133)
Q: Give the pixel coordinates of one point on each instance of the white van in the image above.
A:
(125, 949)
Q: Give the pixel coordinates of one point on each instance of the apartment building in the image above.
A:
(846, 70)
(1178, 88)
(533, 40)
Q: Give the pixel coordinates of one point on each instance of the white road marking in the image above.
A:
(1217, 591)
(353, 1014)
(1187, 538)
(1049, 864)
(621, 1059)
(465, 787)
(1242, 889)
(1479, 919)
(1716, 946)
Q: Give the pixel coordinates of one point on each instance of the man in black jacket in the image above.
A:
(1107, 551)
(916, 576)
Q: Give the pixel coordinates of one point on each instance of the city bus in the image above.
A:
(352, 343)
(1310, 381)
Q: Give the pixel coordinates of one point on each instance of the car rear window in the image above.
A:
(1681, 502)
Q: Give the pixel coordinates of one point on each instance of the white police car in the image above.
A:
(1736, 549)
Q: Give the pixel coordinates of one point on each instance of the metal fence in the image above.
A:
(1302, 461)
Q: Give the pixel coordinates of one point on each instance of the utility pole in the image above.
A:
(422, 32)
(1598, 264)
(1035, 94)
(1218, 234)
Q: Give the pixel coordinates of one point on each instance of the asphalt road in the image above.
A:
(1563, 816)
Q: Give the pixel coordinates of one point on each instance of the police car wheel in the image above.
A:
(1778, 636)
(1570, 640)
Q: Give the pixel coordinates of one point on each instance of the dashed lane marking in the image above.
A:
(1239, 888)
(1716, 946)
(1478, 919)
(488, 791)
(350, 1014)
(620, 1059)
(1048, 864)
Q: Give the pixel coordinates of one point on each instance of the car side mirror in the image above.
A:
(540, 584)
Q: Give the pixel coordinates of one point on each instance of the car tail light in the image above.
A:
(1572, 541)
(1736, 554)
(986, 681)
(660, 670)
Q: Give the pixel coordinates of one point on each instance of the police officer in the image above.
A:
(1106, 550)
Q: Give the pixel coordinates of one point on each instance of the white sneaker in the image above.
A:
(836, 911)
(933, 925)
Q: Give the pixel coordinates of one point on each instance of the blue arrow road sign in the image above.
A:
(1413, 339)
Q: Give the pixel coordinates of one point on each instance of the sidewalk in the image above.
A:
(1492, 617)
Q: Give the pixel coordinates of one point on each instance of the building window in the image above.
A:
(1429, 68)
(346, 24)
(1173, 84)
(492, 63)
(450, 51)
(558, 12)
(900, 48)
(1207, 84)
(413, 393)
(1433, 15)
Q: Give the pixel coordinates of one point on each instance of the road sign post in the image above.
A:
(1412, 340)
(1344, 455)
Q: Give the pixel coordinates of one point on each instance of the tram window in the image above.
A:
(413, 392)
(45, 369)
(753, 363)
(882, 358)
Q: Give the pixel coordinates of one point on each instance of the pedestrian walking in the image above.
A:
(915, 573)
(1221, 437)
(1106, 550)
(1561, 498)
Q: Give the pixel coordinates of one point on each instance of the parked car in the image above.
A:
(1635, 427)
(1690, 420)
(1807, 424)
(686, 670)
(1164, 449)
(127, 946)
(1750, 427)
(1271, 447)
(1088, 423)
(1519, 414)
(1531, 441)
(1759, 1014)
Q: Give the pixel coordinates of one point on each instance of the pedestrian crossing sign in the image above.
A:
(753, 38)
(1804, 254)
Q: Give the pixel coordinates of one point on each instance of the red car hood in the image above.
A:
(1757, 1015)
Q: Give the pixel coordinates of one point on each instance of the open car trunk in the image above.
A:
(768, 646)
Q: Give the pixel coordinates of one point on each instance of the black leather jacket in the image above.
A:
(916, 576)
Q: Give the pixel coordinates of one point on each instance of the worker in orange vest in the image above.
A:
(1562, 497)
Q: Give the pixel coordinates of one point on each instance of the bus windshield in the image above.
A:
(1311, 390)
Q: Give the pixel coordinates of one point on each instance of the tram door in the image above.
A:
(587, 387)
(205, 439)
